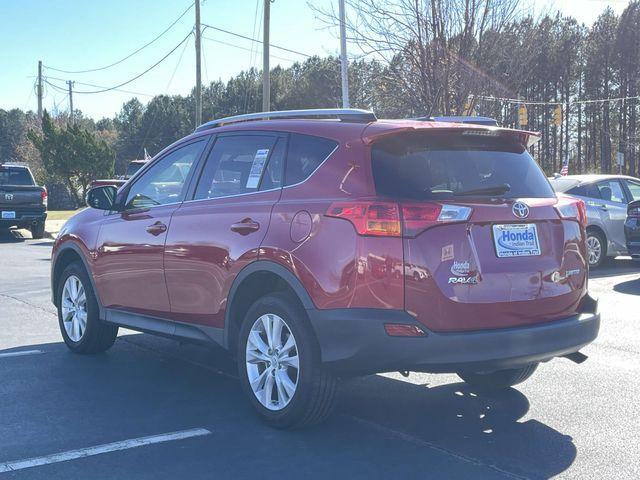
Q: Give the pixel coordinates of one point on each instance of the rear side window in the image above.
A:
(306, 153)
(422, 167)
(15, 176)
(241, 164)
(611, 191)
(589, 191)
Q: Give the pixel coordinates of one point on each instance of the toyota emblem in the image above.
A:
(520, 210)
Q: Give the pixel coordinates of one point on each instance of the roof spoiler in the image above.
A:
(522, 137)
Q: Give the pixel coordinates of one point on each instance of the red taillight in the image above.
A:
(402, 330)
(572, 208)
(633, 211)
(383, 218)
(369, 218)
(44, 196)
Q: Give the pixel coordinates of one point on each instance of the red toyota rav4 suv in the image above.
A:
(326, 243)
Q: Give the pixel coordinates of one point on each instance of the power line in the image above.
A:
(244, 48)
(128, 56)
(115, 87)
(97, 86)
(570, 102)
(254, 40)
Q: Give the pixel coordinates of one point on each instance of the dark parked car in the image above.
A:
(284, 243)
(23, 203)
(632, 229)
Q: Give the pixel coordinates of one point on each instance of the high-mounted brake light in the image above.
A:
(383, 218)
(572, 208)
(44, 197)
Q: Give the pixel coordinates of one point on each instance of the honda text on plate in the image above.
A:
(322, 244)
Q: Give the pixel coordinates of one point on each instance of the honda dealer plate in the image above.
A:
(8, 215)
(516, 240)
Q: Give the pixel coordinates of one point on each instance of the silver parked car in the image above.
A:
(606, 197)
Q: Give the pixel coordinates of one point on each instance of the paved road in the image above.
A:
(568, 421)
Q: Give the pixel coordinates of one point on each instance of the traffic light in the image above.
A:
(523, 119)
(557, 115)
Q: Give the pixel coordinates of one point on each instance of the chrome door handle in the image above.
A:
(245, 227)
(604, 207)
(157, 228)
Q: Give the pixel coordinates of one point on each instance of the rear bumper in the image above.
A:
(23, 219)
(353, 341)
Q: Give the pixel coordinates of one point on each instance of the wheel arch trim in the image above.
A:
(71, 246)
(270, 267)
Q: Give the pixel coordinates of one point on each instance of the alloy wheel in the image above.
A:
(594, 249)
(74, 308)
(272, 362)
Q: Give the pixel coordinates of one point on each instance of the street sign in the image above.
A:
(620, 159)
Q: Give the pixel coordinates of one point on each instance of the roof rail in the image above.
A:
(355, 115)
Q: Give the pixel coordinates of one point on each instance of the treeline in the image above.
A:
(422, 61)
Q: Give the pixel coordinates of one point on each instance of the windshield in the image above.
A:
(422, 167)
(15, 176)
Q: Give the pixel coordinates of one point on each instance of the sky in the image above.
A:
(78, 35)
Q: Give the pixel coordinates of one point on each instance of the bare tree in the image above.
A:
(433, 49)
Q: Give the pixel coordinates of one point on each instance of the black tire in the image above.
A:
(99, 336)
(37, 230)
(314, 396)
(601, 239)
(500, 379)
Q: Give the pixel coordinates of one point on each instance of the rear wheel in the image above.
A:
(37, 230)
(80, 325)
(279, 365)
(500, 379)
(596, 248)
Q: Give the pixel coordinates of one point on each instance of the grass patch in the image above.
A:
(61, 214)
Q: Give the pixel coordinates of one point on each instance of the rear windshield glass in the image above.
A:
(436, 167)
(15, 176)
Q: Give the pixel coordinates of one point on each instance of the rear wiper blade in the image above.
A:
(494, 190)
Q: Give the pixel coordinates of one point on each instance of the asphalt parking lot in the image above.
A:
(569, 421)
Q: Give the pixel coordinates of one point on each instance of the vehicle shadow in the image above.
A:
(11, 236)
(630, 287)
(383, 427)
(616, 266)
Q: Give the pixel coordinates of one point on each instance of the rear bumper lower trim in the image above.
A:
(353, 341)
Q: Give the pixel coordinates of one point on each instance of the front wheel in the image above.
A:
(500, 379)
(80, 325)
(279, 364)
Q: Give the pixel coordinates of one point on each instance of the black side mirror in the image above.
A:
(102, 198)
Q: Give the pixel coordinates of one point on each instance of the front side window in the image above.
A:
(425, 167)
(241, 164)
(611, 191)
(166, 181)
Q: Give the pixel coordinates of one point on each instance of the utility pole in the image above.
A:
(266, 77)
(70, 83)
(198, 68)
(344, 64)
(39, 89)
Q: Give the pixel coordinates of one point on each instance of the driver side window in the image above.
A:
(165, 182)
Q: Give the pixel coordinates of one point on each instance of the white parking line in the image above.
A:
(99, 449)
(20, 353)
